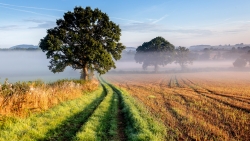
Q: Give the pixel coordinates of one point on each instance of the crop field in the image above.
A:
(106, 114)
(194, 106)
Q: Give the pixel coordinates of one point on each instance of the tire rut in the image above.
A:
(218, 100)
(120, 116)
(68, 128)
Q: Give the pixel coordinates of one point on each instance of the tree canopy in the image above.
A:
(154, 53)
(84, 39)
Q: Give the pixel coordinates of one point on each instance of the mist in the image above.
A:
(33, 65)
(197, 65)
(200, 63)
(29, 66)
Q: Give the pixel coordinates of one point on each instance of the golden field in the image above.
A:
(194, 106)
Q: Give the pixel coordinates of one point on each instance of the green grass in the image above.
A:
(58, 123)
(102, 125)
(140, 125)
(92, 117)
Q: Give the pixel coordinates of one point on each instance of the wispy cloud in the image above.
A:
(45, 24)
(28, 11)
(160, 19)
(233, 31)
(243, 26)
(32, 7)
(8, 27)
(149, 27)
(34, 20)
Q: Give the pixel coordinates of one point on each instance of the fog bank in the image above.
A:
(28, 66)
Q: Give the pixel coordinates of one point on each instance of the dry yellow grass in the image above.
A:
(40, 96)
(199, 106)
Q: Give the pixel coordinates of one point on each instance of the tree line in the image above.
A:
(160, 52)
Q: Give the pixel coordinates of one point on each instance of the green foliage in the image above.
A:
(155, 52)
(84, 39)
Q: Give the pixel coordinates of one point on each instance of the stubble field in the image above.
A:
(194, 106)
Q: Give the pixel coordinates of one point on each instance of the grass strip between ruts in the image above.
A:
(140, 125)
(102, 125)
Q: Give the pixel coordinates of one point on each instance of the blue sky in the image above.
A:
(181, 22)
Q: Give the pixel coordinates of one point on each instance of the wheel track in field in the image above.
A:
(237, 98)
(240, 99)
(216, 99)
(133, 124)
(207, 118)
(71, 127)
(231, 130)
(178, 118)
(67, 126)
(121, 119)
(173, 113)
(120, 115)
(173, 82)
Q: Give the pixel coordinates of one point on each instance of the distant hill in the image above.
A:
(24, 46)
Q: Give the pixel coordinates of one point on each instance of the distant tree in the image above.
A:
(246, 57)
(205, 55)
(240, 63)
(156, 52)
(183, 57)
(84, 39)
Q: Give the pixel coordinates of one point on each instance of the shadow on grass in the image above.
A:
(68, 128)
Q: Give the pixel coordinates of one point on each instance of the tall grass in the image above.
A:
(58, 123)
(23, 98)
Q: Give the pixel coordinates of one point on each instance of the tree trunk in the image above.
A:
(84, 74)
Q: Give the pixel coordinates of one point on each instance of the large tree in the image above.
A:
(84, 39)
(156, 52)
